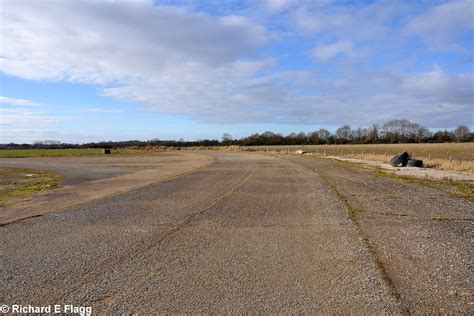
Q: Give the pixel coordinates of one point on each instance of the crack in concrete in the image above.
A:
(352, 212)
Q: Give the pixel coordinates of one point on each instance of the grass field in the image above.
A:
(17, 182)
(23, 153)
(433, 155)
(462, 154)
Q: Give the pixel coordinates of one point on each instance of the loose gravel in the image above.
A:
(246, 234)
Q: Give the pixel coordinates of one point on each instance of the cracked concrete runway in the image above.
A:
(249, 233)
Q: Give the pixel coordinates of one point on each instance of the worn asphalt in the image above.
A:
(250, 233)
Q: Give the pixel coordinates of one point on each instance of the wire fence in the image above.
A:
(442, 160)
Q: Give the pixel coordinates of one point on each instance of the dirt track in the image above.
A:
(250, 233)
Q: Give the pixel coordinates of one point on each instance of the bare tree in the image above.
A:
(344, 134)
(404, 131)
(462, 133)
(373, 134)
(226, 139)
(313, 138)
(323, 135)
(360, 135)
(47, 142)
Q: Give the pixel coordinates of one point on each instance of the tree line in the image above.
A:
(393, 131)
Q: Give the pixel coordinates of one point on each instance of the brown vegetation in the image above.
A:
(433, 155)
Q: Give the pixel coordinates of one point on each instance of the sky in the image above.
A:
(80, 71)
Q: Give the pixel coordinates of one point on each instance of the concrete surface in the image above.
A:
(249, 233)
(92, 178)
(422, 237)
(77, 170)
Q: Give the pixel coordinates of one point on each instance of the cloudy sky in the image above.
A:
(82, 71)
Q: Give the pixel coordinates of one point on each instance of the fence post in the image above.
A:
(385, 155)
(429, 157)
(450, 158)
(413, 156)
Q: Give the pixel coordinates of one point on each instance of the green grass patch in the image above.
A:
(23, 153)
(19, 182)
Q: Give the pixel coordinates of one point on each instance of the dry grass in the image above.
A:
(462, 154)
(459, 188)
(444, 164)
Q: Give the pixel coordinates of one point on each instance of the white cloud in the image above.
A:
(169, 58)
(441, 86)
(278, 5)
(24, 125)
(441, 25)
(17, 102)
(103, 42)
(339, 28)
(329, 51)
(17, 118)
(177, 61)
(206, 93)
(434, 98)
(17, 124)
(100, 110)
(320, 20)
